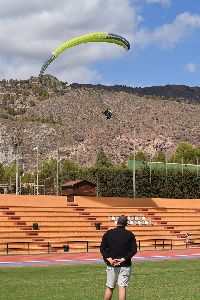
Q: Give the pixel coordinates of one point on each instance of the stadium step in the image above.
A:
(20, 223)
(26, 228)
(32, 233)
(14, 218)
(9, 213)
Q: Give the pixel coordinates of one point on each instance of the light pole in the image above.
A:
(134, 187)
(182, 165)
(37, 175)
(150, 168)
(17, 170)
(57, 173)
(37, 171)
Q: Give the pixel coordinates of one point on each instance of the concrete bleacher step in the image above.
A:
(32, 233)
(9, 213)
(20, 223)
(79, 209)
(25, 228)
(14, 218)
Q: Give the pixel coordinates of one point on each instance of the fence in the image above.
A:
(151, 244)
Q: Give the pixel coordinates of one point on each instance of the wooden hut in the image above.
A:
(78, 188)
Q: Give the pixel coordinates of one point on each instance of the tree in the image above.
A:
(184, 152)
(1, 172)
(161, 157)
(139, 156)
(69, 170)
(102, 160)
(197, 155)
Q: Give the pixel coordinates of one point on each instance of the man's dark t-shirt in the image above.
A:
(118, 243)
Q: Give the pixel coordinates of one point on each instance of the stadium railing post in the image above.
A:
(7, 248)
(87, 245)
(171, 245)
(155, 244)
(139, 244)
(48, 247)
(163, 244)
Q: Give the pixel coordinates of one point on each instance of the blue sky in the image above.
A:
(164, 37)
(153, 64)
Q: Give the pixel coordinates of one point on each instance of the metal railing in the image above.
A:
(50, 247)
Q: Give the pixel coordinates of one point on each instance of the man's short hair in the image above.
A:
(122, 221)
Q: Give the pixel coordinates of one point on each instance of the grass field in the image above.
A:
(150, 280)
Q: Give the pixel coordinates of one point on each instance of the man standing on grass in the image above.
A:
(118, 246)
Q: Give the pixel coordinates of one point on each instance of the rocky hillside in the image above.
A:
(55, 114)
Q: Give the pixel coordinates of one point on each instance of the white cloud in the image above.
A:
(169, 35)
(162, 2)
(191, 67)
(31, 30)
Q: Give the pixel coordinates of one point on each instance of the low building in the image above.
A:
(78, 188)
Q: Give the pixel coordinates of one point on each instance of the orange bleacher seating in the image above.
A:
(75, 225)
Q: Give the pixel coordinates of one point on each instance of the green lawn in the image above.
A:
(150, 280)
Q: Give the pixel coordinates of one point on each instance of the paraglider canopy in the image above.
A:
(91, 37)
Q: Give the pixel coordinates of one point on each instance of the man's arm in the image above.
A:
(133, 249)
(104, 247)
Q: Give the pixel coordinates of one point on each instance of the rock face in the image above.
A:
(53, 114)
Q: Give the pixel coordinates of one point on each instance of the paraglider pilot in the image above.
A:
(108, 113)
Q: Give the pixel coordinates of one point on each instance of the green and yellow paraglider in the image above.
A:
(87, 38)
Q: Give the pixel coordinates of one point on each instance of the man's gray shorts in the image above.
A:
(119, 275)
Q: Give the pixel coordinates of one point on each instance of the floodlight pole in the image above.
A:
(37, 180)
(17, 170)
(150, 169)
(57, 173)
(134, 187)
(182, 165)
